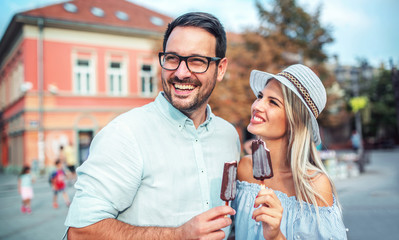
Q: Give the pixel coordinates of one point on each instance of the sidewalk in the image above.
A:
(370, 201)
(43, 223)
(48, 223)
(342, 183)
(344, 163)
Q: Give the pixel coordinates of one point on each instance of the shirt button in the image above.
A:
(196, 140)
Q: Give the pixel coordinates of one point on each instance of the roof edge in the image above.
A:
(12, 32)
(14, 29)
(51, 22)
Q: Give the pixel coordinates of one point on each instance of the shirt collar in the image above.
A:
(176, 116)
(209, 117)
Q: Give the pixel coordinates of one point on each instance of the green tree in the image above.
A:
(287, 34)
(382, 123)
(294, 30)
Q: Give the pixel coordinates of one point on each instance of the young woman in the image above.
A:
(300, 200)
(25, 188)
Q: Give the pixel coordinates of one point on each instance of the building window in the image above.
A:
(98, 12)
(16, 81)
(117, 84)
(84, 77)
(70, 7)
(147, 80)
(122, 15)
(2, 94)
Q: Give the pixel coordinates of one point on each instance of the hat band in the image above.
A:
(302, 90)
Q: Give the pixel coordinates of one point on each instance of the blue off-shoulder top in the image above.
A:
(295, 223)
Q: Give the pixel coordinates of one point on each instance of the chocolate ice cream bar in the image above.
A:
(228, 191)
(261, 161)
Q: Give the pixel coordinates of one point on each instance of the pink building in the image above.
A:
(67, 69)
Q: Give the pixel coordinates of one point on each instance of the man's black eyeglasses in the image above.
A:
(196, 64)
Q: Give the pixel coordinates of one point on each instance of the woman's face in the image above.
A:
(268, 116)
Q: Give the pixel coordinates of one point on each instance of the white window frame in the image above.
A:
(16, 79)
(120, 86)
(145, 86)
(89, 85)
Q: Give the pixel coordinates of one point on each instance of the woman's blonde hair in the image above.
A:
(302, 153)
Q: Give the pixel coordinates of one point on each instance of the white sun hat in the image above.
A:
(304, 83)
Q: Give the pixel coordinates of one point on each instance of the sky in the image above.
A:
(362, 29)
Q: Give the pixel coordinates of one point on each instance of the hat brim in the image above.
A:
(258, 81)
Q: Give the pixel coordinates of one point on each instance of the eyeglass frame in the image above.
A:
(184, 58)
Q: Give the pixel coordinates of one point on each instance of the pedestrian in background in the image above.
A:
(25, 189)
(58, 183)
(355, 140)
(70, 160)
(61, 155)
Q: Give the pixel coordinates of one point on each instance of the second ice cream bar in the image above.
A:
(228, 191)
(261, 161)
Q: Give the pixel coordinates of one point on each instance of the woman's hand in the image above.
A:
(270, 214)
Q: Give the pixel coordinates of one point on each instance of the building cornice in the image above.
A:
(15, 27)
(99, 28)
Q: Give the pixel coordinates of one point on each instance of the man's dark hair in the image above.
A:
(202, 20)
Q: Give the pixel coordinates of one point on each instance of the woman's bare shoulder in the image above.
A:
(322, 185)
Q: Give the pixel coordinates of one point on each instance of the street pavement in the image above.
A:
(43, 223)
(370, 204)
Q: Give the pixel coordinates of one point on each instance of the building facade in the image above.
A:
(67, 69)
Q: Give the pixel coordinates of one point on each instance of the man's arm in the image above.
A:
(114, 229)
(206, 225)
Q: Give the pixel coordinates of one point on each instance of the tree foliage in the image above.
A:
(293, 29)
(382, 121)
(287, 34)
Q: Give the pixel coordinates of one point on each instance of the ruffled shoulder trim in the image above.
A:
(253, 189)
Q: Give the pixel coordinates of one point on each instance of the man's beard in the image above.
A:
(199, 99)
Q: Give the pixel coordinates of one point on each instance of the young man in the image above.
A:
(155, 172)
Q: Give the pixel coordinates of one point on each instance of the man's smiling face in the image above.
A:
(185, 90)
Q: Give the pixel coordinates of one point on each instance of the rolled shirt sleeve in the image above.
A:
(113, 169)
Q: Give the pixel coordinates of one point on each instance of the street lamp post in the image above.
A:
(355, 75)
(395, 83)
(40, 133)
(359, 76)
